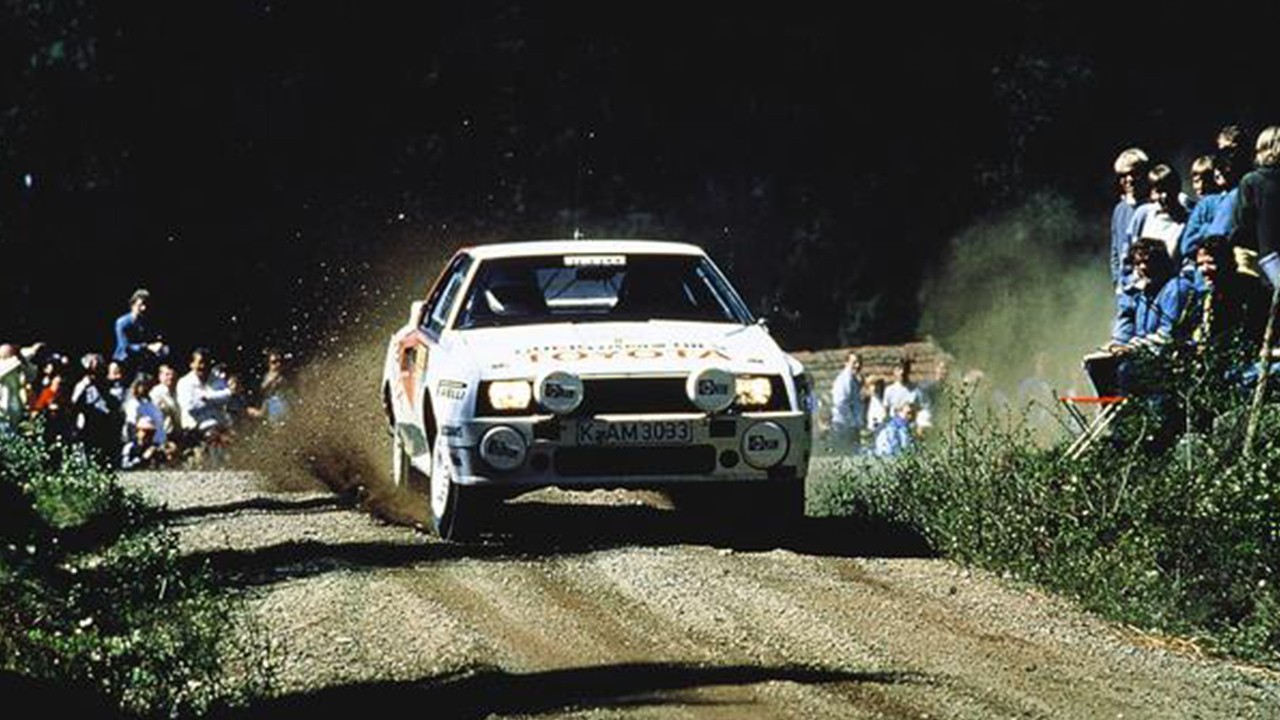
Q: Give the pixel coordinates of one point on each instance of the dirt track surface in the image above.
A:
(600, 605)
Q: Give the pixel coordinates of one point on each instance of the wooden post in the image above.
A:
(1260, 390)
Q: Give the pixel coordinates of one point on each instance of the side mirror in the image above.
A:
(415, 312)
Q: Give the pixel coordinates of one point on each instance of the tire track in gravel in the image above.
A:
(565, 614)
(686, 631)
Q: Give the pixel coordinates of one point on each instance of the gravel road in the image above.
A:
(608, 605)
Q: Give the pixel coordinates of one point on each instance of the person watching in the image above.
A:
(203, 397)
(848, 408)
(137, 346)
(1131, 179)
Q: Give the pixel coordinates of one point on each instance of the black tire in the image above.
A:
(696, 500)
(784, 504)
(768, 510)
(771, 511)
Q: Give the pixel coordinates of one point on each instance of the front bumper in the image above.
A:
(560, 453)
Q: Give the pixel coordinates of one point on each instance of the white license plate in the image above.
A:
(635, 432)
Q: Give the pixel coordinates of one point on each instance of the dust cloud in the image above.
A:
(1019, 300)
(335, 433)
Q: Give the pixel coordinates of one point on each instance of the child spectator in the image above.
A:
(903, 391)
(142, 452)
(1232, 304)
(1151, 313)
(896, 437)
(1131, 178)
(877, 414)
(1213, 214)
(138, 405)
(1164, 217)
(1202, 183)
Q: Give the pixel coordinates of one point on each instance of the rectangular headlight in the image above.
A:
(754, 391)
(510, 394)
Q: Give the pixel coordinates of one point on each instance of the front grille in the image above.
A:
(622, 461)
(602, 396)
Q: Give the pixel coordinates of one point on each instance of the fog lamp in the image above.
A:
(710, 389)
(503, 448)
(559, 392)
(765, 444)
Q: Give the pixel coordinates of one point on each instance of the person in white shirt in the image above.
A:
(138, 405)
(203, 397)
(165, 397)
(848, 408)
(1165, 216)
(877, 415)
(903, 391)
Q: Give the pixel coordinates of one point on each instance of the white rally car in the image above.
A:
(592, 364)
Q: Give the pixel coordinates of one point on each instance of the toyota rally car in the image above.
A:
(592, 364)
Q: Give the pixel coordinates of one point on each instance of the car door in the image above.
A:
(416, 346)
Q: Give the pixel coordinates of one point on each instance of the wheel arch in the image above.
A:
(387, 409)
(429, 427)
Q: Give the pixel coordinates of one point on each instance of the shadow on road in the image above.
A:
(491, 691)
(549, 528)
(265, 504)
(533, 530)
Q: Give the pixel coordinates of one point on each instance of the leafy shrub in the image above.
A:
(1183, 537)
(93, 592)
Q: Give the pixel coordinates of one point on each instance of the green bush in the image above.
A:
(1181, 537)
(93, 593)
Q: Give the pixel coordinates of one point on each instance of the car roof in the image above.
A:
(576, 247)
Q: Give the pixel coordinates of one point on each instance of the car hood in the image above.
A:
(622, 348)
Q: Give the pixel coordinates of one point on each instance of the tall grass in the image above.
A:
(1163, 524)
(93, 594)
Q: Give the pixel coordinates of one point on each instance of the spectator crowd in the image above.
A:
(1190, 271)
(1195, 273)
(880, 416)
(134, 409)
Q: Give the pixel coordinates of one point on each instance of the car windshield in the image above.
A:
(598, 288)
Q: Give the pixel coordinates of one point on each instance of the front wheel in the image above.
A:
(456, 510)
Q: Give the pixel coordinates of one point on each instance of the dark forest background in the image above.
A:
(255, 164)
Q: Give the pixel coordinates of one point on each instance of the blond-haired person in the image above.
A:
(1131, 181)
(1257, 211)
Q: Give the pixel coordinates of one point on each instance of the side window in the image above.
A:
(445, 295)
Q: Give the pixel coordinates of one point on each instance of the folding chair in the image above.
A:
(1102, 369)
(1090, 428)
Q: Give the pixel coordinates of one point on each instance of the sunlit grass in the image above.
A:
(94, 594)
